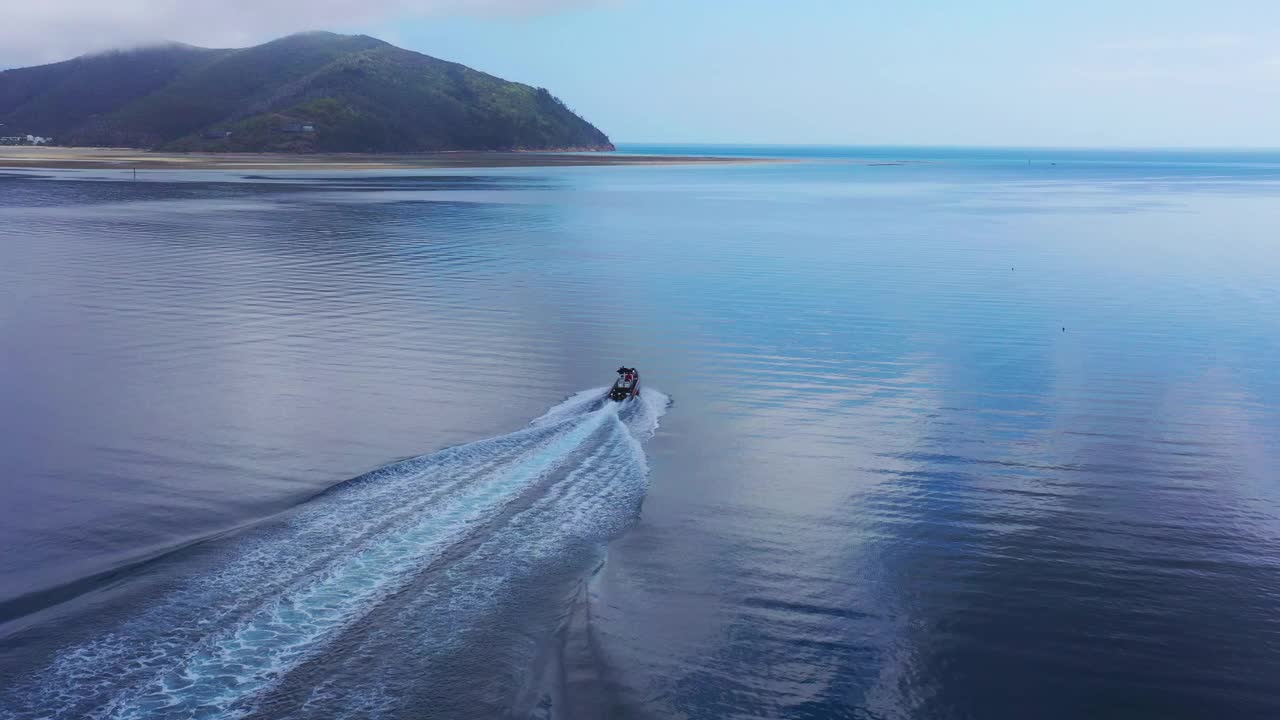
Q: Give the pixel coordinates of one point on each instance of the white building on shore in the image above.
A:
(25, 140)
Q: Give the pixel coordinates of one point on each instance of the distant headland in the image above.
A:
(308, 93)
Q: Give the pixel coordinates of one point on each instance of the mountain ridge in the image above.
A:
(308, 92)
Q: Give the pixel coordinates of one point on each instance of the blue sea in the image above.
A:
(923, 433)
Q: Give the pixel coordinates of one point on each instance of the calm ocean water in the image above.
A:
(927, 433)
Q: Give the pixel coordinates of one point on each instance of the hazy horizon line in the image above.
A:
(955, 146)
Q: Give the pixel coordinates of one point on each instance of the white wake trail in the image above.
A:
(283, 597)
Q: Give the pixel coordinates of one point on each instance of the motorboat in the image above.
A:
(627, 385)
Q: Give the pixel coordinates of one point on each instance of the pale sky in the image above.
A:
(1170, 73)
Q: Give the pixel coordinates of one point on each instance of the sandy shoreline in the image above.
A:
(124, 158)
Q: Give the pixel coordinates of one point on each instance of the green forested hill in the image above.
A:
(303, 93)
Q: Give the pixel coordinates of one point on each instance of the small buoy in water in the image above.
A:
(1064, 329)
